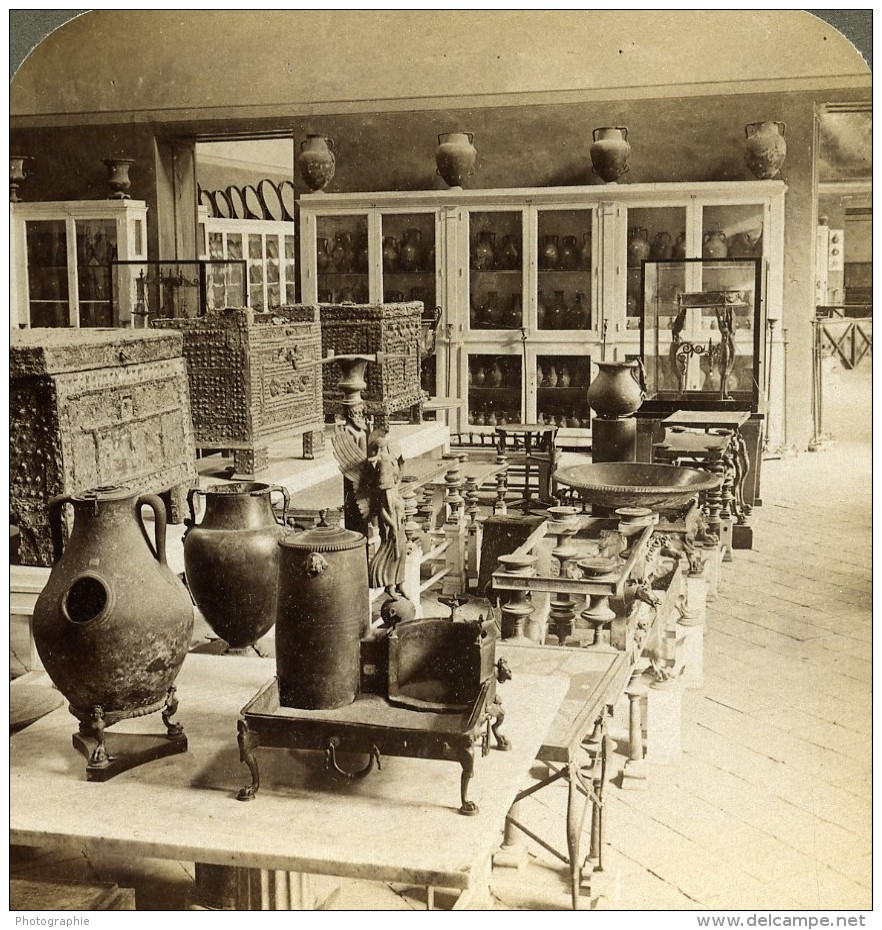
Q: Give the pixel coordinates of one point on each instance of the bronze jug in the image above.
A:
(231, 559)
(114, 622)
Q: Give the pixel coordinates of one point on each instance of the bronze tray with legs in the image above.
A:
(371, 727)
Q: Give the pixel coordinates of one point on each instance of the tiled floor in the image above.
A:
(770, 806)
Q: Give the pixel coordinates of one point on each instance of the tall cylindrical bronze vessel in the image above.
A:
(323, 607)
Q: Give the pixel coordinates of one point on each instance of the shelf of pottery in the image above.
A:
(269, 250)
(534, 285)
(60, 261)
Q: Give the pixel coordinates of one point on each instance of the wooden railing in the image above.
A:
(848, 339)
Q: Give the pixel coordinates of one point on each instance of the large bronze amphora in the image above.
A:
(114, 622)
(231, 559)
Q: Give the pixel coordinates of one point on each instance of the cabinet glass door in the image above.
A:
(561, 390)
(496, 281)
(96, 248)
(290, 269)
(342, 259)
(409, 259)
(409, 273)
(47, 272)
(495, 389)
(565, 270)
(655, 233)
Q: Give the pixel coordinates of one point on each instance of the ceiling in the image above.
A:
(172, 65)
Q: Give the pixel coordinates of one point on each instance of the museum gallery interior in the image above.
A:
(440, 462)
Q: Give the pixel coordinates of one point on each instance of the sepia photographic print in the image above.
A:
(440, 467)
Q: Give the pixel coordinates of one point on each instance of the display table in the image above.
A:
(399, 824)
(596, 679)
(726, 453)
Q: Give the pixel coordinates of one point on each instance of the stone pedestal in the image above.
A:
(664, 712)
(614, 440)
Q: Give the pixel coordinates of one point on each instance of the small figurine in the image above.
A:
(727, 348)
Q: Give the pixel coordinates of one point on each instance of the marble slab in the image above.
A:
(399, 824)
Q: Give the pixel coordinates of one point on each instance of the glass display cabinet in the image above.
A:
(495, 389)
(268, 248)
(496, 276)
(60, 258)
(174, 289)
(552, 278)
(700, 332)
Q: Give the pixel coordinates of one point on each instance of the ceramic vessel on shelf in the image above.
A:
(113, 623)
(580, 312)
(569, 254)
(509, 255)
(549, 253)
(617, 390)
(542, 309)
(390, 254)
(317, 161)
(741, 245)
(714, 245)
(322, 256)
(661, 246)
(513, 316)
(484, 251)
(361, 255)
(637, 484)
(118, 177)
(565, 379)
(610, 152)
(495, 377)
(585, 251)
(455, 157)
(410, 255)
(765, 148)
(552, 376)
(638, 246)
(342, 255)
(678, 250)
(231, 559)
(558, 313)
(493, 310)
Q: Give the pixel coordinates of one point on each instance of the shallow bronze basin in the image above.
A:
(636, 484)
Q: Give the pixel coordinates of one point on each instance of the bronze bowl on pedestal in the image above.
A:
(636, 484)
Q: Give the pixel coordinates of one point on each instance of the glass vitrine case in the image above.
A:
(174, 289)
(700, 331)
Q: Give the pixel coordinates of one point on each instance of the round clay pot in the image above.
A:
(765, 148)
(484, 252)
(678, 250)
(113, 623)
(316, 161)
(610, 152)
(549, 253)
(616, 391)
(455, 157)
(231, 559)
(410, 255)
(662, 246)
(714, 245)
(638, 246)
(569, 253)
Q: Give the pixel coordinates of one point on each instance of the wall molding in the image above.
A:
(193, 116)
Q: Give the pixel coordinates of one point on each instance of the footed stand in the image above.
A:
(110, 754)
